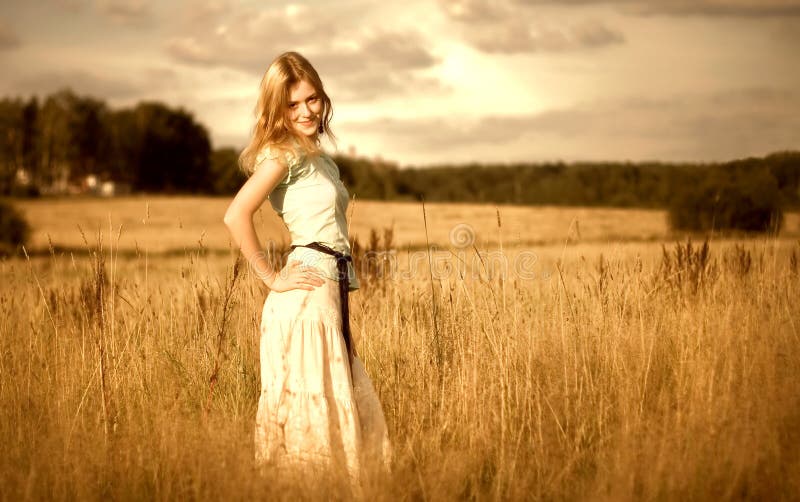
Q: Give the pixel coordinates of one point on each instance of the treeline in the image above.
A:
(154, 148)
(743, 195)
(646, 184)
(54, 144)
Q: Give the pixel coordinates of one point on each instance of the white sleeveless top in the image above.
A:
(312, 201)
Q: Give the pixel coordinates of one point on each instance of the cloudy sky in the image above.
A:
(423, 82)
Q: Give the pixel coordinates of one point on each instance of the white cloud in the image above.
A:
(519, 36)
(130, 12)
(726, 8)
(501, 27)
(457, 81)
(746, 8)
(80, 81)
(361, 61)
(716, 126)
(126, 12)
(476, 11)
(189, 50)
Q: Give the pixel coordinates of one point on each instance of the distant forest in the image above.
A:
(56, 142)
(618, 184)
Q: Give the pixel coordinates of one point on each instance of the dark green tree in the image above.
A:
(741, 195)
(14, 229)
(174, 150)
(226, 177)
(10, 142)
(87, 122)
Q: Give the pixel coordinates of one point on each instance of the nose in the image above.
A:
(305, 111)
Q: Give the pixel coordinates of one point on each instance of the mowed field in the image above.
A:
(545, 354)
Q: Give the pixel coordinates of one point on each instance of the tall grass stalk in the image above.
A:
(222, 324)
(609, 381)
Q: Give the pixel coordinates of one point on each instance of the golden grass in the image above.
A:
(176, 224)
(602, 376)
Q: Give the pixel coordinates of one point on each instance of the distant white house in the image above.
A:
(23, 177)
(107, 188)
(90, 185)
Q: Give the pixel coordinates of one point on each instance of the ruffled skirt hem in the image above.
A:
(315, 408)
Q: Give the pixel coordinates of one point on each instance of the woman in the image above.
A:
(317, 404)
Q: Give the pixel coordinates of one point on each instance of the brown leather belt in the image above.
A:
(344, 285)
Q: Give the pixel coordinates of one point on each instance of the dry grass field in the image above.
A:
(564, 355)
(179, 224)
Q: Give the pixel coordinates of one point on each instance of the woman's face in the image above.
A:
(305, 108)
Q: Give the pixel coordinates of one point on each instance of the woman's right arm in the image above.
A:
(239, 220)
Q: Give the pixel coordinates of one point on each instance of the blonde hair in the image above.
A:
(272, 129)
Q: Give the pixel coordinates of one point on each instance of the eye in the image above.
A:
(292, 105)
(313, 99)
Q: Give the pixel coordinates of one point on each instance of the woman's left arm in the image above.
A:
(239, 220)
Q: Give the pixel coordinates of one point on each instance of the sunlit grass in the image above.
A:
(176, 224)
(604, 374)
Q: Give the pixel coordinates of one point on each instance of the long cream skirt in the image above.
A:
(315, 408)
